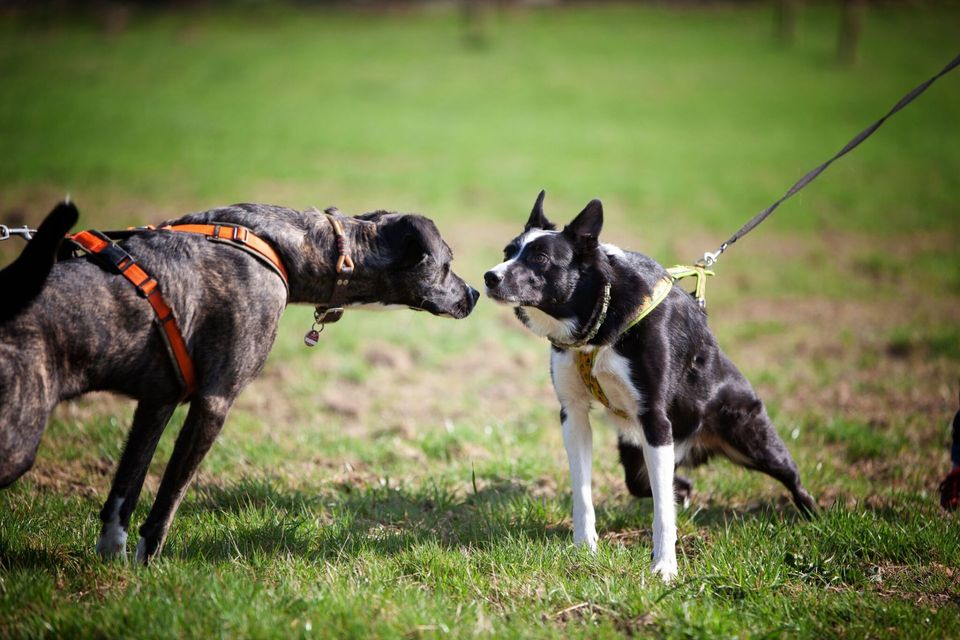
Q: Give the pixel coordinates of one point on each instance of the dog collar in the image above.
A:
(600, 314)
(332, 310)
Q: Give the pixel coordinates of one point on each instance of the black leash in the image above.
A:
(709, 259)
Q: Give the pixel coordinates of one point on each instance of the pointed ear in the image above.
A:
(584, 230)
(537, 219)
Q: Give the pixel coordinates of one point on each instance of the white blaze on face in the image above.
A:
(525, 240)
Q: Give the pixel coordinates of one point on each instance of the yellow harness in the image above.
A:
(585, 359)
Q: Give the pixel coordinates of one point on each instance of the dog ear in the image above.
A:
(406, 240)
(371, 216)
(537, 219)
(584, 230)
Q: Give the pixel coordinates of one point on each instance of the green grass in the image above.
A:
(407, 476)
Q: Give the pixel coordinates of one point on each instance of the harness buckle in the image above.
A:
(116, 258)
(146, 288)
(345, 264)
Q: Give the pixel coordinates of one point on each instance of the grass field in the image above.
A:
(407, 477)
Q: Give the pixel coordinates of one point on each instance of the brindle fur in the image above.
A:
(88, 330)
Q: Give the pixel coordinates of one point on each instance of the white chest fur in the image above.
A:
(612, 371)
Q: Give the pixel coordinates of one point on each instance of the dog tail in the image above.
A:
(23, 280)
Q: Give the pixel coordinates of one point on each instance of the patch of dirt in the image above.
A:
(388, 356)
(591, 613)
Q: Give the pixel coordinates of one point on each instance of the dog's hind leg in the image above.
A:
(149, 421)
(637, 480)
(748, 438)
(203, 424)
(27, 399)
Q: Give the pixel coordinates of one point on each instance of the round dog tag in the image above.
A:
(312, 338)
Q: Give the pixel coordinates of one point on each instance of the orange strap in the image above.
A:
(148, 287)
(237, 235)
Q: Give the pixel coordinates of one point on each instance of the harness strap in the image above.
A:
(121, 262)
(586, 359)
(660, 292)
(239, 236)
(699, 271)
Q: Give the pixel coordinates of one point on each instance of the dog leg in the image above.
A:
(203, 424)
(753, 442)
(149, 421)
(578, 441)
(659, 454)
(637, 480)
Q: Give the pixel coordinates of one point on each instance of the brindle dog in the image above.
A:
(82, 328)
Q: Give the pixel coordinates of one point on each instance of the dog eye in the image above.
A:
(540, 258)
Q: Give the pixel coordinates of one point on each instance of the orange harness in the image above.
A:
(117, 259)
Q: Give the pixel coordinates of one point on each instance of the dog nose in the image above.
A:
(491, 279)
(474, 294)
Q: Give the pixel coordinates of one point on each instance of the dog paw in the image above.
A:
(142, 557)
(666, 568)
(588, 540)
(112, 544)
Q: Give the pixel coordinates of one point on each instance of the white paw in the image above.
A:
(588, 540)
(142, 551)
(666, 568)
(112, 543)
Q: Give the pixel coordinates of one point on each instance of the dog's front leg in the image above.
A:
(659, 456)
(578, 441)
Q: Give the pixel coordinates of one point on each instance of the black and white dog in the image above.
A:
(672, 394)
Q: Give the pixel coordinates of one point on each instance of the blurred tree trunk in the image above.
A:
(851, 27)
(474, 22)
(787, 22)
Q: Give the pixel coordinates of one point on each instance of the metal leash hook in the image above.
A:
(710, 259)
(24, 232)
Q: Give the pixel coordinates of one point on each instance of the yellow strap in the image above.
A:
(585, 361)
(661, 290)
(700, 272)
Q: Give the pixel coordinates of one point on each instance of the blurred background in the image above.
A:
(685, 118)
